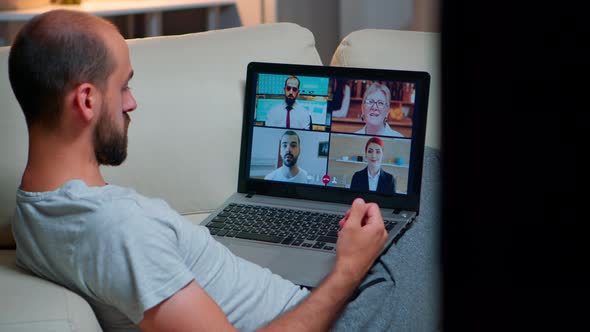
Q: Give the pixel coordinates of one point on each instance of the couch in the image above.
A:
(184, 147)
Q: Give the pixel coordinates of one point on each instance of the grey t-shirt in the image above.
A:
(125, 253)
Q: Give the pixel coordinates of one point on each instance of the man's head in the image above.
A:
(69, 72)
(290, 148)
(291, 90)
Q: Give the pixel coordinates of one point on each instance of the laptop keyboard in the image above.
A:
(288, 227)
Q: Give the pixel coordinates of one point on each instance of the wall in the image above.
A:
(332, 20)
(328, 20)
(380, 14)
(321, 17)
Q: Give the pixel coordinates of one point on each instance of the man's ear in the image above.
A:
(86, 100)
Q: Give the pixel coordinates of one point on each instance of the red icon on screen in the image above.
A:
(326, 179)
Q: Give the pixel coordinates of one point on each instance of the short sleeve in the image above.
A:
(142, 264)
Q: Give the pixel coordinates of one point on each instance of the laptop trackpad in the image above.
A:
(303, 267)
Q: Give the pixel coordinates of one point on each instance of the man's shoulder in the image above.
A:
(272, 175)
(280, 105)
(301, 176)
(105, 204)
(121, 199)
(73, 195)
(273, 115)
(277, 107)
(127, 207)
(301, 107)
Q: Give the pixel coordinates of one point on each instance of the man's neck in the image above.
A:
(53, 161)
(290, 172)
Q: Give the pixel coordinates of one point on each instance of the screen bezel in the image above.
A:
(408, 201)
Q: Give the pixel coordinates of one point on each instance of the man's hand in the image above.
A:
(360, 240)
(361, 237)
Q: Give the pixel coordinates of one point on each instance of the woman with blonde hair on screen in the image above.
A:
(375, 110)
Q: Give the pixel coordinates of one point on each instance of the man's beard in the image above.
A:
(290, 100)
(110, 146)
(290, 163)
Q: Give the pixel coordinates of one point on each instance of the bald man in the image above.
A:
(138, 262)
(289, 113)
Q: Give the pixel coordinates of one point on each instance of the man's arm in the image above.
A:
(360, 240)
(272, 117)
(189, 309)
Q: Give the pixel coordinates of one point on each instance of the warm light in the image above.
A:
(22, 4)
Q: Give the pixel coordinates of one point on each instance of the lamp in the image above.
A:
(22, 4)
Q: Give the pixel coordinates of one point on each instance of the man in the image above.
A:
(289, 114)
(137, 262)
(290, 148)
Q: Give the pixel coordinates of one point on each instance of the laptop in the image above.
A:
(309, 148)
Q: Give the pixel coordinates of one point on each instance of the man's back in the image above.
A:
(126, 253)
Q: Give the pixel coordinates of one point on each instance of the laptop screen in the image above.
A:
(334, 133)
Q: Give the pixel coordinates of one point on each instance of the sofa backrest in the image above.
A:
(402, 50)
(184, 137)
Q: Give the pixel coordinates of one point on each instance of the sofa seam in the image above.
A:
(33, 321)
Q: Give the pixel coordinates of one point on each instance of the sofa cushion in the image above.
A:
(184, 137)
(416, 258)
(33, 304)
(402, 50)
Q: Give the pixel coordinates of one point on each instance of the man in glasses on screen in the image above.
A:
(289, 114)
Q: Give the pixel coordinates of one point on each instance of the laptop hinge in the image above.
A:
(250, 194)
(396, 211)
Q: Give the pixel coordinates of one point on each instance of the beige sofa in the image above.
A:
(184, 137)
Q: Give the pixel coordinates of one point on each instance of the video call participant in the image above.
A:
(289, 114)
(341, 98)
(375, 110)
(290, 149)
(373, 177)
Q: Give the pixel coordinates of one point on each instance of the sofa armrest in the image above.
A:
(33, 304)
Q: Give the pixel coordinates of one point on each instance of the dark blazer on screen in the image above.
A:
(385, 185)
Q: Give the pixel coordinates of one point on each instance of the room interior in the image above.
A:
(148, 84)
(186, 16)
